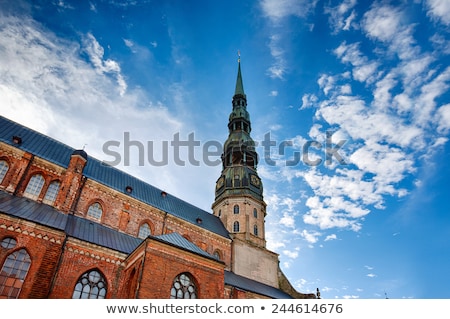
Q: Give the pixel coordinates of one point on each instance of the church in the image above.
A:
(73, 227)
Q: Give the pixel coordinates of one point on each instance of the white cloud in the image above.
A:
(311, 236)
(382, 22)
(96, 52)
(364, 70)
(278, 9)
(290, 254)
(278, 68)
(308, 100)
(331, 237)
(342, 16)
(443, 116)
(439, 9)
(385, 135)
(388, 24)
(287, 220)
(350, 297)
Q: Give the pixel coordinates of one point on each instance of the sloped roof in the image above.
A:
(73, 226)
(58, 153)
(179, 241)
(250, 285)
(33, 211)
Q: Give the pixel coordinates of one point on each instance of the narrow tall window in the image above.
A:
(255, 230)
(34, 186)
(3, 169)
(183, 287)
(52, 192)
(236, 209)
(91, 285)
(144, 231)
(217, 254)
(95, 211)
(13, 273)
(236, 227)
(255, 213)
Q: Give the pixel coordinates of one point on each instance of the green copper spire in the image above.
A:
(239, 86)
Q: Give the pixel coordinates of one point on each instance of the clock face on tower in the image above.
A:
(255, 180)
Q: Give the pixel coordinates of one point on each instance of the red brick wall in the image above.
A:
(44, 248)
(164, 263)
(78, 259)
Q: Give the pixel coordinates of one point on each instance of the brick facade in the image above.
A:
(58, 260)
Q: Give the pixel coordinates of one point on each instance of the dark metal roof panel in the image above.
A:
(119, 180)
(247, 284)
(35, 142)
(58, 153)
(179, 241)
(32, 211)
(101, 235)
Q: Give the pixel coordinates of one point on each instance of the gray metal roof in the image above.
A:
(179, 241)
(56, 152)
(33, 211)
(73, 226)
(101, 235)
(247, 284)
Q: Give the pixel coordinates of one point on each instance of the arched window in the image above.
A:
(236, 227)
(217, 255)
(144, 231)
(95, 211)
(183, 287)
(52, 192)
(3, 170)
(255, 213)
(236, 209)
(91, 285)
(34, 186)
(13, 273)
(8, 242)
(255, 230)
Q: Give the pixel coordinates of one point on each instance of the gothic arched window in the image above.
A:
(183, 287)
(236, 227)
(52, 192)
(34, 186)
(13, 273)
(95, 210)
(144, 231)
(255, 213)
(91, 285)
(236, 209)
(3, 169)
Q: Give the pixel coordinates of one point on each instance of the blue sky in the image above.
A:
(374, 74)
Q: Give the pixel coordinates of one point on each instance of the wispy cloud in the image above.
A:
(439, 9)
(58, 86)
(387, 133)
(278, 9)
(96, 52)
(342, 16)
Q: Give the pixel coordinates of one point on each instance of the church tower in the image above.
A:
(239, 199)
